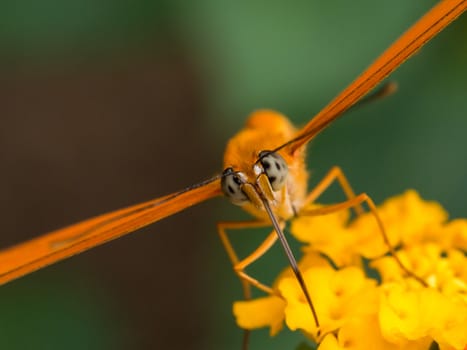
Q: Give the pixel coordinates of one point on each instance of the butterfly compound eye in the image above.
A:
(231, 186)
(275, 168)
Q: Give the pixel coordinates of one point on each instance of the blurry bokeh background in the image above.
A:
(104, 104)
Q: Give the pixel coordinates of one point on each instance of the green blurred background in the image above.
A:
(107, 103)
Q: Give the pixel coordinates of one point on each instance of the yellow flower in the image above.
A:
(446, 319)
(410, 314)
(338, 295)
(407, 219)
(454, 283)
(400, 314)
(443, 270)
(364, 333)
(392, 311)
(327, 234)
(262, 312)
(420, 259)
(454, 234)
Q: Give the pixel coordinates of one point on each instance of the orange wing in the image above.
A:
(410, 42)
(32, 255)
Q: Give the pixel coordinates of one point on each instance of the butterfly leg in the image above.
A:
(239, 266)
(355, 202)
(335, 174)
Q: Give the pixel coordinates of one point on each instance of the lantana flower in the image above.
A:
(363, 298)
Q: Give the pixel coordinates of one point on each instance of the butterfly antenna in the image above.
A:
(385, 90)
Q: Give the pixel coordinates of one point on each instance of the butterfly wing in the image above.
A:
(403, 48)
(37, 253)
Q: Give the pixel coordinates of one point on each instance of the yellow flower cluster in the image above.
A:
(364, 300)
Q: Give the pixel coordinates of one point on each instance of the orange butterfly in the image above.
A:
(265, 173)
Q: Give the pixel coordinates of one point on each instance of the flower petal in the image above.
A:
(261, 312)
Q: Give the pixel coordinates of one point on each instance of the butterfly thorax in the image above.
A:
(266, 130)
